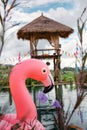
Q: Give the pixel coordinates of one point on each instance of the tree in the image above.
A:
(80, 77)
(5, 17)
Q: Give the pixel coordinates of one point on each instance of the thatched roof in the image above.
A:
(42, 27)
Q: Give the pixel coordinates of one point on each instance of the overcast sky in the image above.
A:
(64, 11)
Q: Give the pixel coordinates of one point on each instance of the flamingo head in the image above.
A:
(41, 72)
(35, 69)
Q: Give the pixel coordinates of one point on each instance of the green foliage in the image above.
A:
(68, 69)
(30, 82)
(68, 76)
(4, 75)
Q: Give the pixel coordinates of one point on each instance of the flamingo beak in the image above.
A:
(49, 83)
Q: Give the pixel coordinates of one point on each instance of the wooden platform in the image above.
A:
(46, 56)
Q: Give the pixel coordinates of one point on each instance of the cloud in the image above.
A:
(63, 16)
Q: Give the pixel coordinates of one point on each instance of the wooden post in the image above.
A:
(59, 92)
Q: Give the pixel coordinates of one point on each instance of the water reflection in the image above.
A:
(46, 112)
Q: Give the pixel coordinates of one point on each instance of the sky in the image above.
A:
(64, 11)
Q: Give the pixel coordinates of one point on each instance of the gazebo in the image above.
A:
(46, 28)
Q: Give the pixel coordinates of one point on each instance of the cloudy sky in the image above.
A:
(64, 11)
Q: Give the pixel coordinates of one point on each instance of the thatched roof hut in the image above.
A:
(44, 28)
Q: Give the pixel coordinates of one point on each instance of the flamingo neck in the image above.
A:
(25, 106)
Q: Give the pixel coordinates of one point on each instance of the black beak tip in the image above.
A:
(47, 89)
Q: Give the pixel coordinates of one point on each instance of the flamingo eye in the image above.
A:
(44, 70)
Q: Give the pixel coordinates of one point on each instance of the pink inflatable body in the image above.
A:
(26, 117)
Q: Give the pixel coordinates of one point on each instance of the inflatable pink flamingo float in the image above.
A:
(26, 118)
